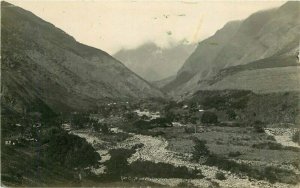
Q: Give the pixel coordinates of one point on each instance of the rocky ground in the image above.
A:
(155, 149)
(283, 135)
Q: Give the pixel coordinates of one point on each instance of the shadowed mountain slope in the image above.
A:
(43, 67)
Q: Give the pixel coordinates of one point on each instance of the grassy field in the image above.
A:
(225, 140)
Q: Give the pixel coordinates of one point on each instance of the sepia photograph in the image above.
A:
(150, 93)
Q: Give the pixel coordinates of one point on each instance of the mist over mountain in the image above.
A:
(264, 37)
(43, 67)
(154, 63)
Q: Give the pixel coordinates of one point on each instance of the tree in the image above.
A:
(170, 115)
(105, 129)
(79, 120)
(220, 176)
(200, 149)
(231, 114)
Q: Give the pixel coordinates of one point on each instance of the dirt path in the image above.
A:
(283, 135)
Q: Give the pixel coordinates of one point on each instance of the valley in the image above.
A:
(225, 114)
(137, 146)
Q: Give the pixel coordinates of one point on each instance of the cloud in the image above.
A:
(113, 25)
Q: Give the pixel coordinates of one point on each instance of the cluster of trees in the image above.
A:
(100, 127)
(190, 113)
(209, 117)
(118, 166)
(79, 120)
(158, 122)
(82, 120)
(70, 150)
(51, 151)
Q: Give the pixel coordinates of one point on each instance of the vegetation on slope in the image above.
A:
(38, 152)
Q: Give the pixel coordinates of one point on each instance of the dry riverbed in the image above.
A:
(155, 149)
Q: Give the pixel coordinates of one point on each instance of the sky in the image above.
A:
(115, 25)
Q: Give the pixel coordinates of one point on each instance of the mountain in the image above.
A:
(163, 82)
(154, 63)
(265, 37)
(43, 68)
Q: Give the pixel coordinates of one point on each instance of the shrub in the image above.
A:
(200, 149)
(105, 129)
(220, 176)
(131, 116)
(47, 134)
(186, 184)
(170, 115)
(189, 129)
(161, 122)
(209, 117)
(161, 170)
(142, 124)
(152, 133)
(231, 114)
(258, 127)
(234, 154)
(268, 145)
(274, 146)
(116, 137)
(240, 103)
(296, 137)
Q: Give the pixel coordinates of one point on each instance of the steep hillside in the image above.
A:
(246, 107)
(45, 68)
(154, 63)
(163, 82)
(279, 73)
(263, 35)
(276, 74)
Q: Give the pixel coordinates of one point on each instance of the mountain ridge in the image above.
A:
(262, 35)
(52, 68)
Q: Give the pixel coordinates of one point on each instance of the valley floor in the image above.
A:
(168, 150)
